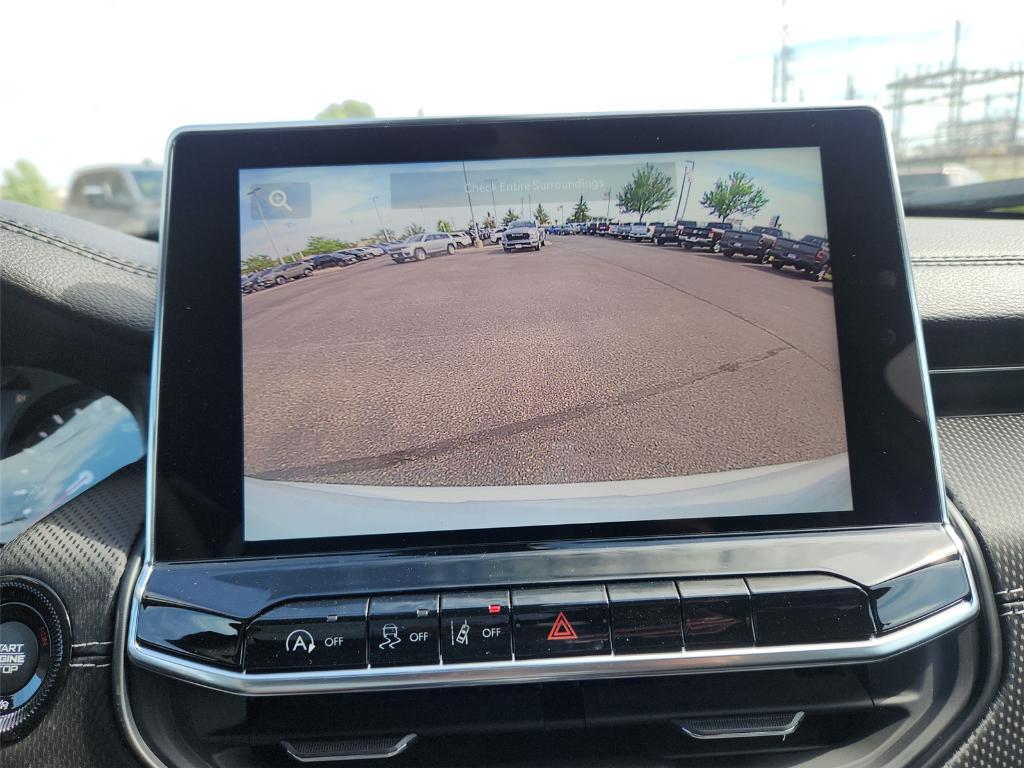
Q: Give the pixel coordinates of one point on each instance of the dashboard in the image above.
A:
(732, 640)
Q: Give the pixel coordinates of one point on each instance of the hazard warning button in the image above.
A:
(560, 621)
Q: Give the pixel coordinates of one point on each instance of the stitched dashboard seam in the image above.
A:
(25, 230)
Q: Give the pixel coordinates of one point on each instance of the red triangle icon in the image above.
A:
(562, 629)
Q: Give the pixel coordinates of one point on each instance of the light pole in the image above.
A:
(469, 198)
(608, 210)
(688, 166)
(494, 205)
(380, 218)
(277, 251)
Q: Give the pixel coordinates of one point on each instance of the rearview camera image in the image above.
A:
(498, 344)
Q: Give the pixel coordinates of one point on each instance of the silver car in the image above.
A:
(419, 247)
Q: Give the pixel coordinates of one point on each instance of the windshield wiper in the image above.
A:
(973, 200)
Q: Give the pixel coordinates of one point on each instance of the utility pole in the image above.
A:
(387, 232)
(259, 208)
(608, 209)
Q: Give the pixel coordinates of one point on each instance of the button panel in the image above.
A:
(645, 617)
(319, 634)
(561, 621)
(476, 626)
(499, 625)
(789, 610)
(716, 613)
(403, 630)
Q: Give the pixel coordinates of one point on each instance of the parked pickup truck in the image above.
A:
(809, 253)
(706, 236)
(753, 242)
(523, 235)
(637, 231)
(669, 233)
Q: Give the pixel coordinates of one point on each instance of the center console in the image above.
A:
(575, 409)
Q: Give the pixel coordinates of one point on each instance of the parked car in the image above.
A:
(419, 247)
(462, 239)
(621, 231)
(251, 283)
(282, 273)
(753, 242)
(335, 259)
(122, 197)
(669, 233)
(705, 236)
(364, 253)
(522, 235)
(604, 228)
(590, 228)
(497, 234)
(809, 253)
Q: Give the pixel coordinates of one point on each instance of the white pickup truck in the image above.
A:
(523, 235)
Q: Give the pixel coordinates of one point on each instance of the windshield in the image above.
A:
(949, 81)
(519, 224)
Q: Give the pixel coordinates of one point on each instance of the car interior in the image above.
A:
(650, 438)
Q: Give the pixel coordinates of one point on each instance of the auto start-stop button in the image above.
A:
(19, 656)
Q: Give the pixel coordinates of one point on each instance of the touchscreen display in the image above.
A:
(497, 344)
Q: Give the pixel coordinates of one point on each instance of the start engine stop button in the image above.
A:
(19, 656)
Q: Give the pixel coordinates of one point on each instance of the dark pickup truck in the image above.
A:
(669, 233)
(753, 242)
(707, 236)
(809, 253)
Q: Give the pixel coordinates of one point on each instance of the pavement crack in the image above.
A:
(558, 418)
(710, 303)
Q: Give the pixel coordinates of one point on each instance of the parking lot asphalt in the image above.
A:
(593, 359)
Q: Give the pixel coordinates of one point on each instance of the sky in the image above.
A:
(99, 81)
(353, 202)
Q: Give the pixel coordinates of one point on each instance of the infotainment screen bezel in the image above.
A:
(195, 496)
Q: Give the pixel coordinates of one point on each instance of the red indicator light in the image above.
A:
(494, 609)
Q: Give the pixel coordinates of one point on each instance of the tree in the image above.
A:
(649, 190)
(444, 226)
(257, 262)
(581, 211)
(411, 230)
(318, 244)
(25, 184)
(735, 195)
(541, 215)
(349, 108)
(489, 221)
(509, 217)
(382, 234)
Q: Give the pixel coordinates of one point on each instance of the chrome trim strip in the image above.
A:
(784, 731)
(980, 369)
(400, 747)
(540, 670)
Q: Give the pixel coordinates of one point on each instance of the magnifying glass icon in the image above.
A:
(279, 199)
